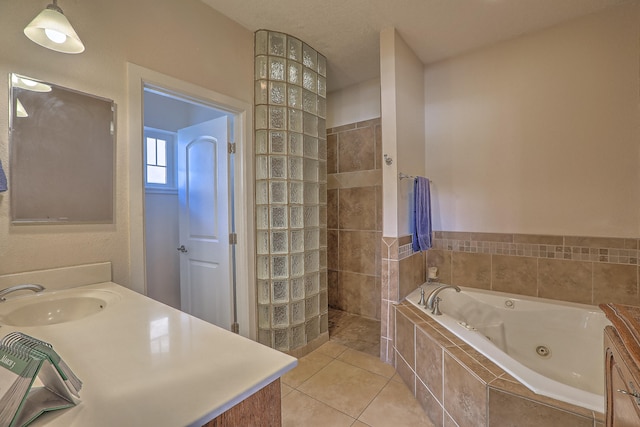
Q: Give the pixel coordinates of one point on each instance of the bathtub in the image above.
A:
(553, 348)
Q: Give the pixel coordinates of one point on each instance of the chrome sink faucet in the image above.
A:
(25, 287)
(433, 301)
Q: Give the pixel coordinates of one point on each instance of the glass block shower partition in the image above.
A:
(291, 191)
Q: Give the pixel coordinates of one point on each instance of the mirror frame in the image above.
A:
(62, 154)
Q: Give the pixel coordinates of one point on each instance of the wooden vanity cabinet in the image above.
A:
(262, 408)
(622, 366)
(623, 410)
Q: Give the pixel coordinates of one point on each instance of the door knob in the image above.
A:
(182, 249)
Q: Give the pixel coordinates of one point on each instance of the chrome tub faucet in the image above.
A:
(433, 301)
(25, 287)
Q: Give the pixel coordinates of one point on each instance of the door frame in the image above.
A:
(138, 78)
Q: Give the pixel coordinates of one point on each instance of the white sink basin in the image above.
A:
(50, 308)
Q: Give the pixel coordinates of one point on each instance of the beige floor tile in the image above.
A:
(284, 389)
(344, 387)
(307, 367)
(397, 378)
(300, 410)
(395, 406)
(368, 362)
(332, 349)
(361, 424)
(353, 331)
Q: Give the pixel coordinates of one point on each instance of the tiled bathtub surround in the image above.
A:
(354, 217)
(597, 249)
(586, 270)
(456, 385)
(291, 192)
(405, 251)
(402, 272)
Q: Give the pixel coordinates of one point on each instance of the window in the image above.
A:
(159, 171)
(156, 161)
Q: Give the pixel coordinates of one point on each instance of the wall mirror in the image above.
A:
(62, 145)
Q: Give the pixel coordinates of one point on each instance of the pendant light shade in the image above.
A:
(52, 30)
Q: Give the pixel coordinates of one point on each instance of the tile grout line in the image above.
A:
(360, 367)
(326, 404)
(314, 374)
(388, 380)
(372, 399)
(337, 358)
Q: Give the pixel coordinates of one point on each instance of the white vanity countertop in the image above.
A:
(143, 363)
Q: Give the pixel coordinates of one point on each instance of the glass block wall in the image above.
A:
(291, 191)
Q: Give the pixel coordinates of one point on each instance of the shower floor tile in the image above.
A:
(353, 331)
(336, 385)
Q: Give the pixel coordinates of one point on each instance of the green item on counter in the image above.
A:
(33, 379)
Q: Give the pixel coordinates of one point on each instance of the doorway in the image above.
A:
(188, 209)
(155, 214)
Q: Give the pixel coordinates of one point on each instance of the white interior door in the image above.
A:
(203, 193)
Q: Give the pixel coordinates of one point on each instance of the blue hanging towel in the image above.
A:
(422, 214)
(3, 179)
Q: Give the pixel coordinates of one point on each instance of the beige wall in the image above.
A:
(539, 134)
(162, 238)
(186, 40)
(354, 104)
(402, 101)
(410, 142)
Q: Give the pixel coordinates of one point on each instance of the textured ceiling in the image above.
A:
(347, 31)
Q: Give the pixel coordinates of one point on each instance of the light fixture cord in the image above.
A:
(54, 6)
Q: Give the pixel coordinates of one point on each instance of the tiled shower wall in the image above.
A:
(354, 217)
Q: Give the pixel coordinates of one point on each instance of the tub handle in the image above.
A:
(633, 393)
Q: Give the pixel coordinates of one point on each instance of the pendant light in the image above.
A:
(52, 30)
(18, 81)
